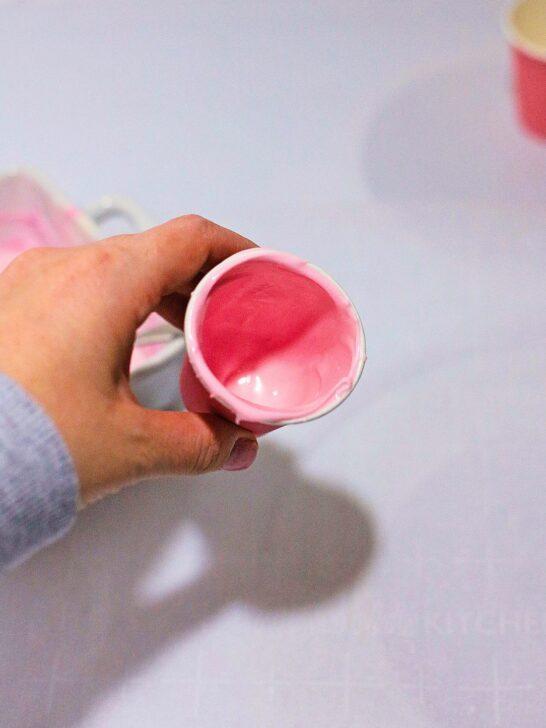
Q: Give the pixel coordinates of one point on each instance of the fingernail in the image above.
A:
(243, 455)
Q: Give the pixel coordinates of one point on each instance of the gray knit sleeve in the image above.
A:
(38, 482)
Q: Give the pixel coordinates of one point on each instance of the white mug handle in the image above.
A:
(111, 206)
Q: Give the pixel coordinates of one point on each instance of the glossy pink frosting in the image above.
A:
(273, 338)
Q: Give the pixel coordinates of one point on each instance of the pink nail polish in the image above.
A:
(242, 456)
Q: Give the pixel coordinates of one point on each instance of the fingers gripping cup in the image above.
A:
(271, 340)
(526, 31)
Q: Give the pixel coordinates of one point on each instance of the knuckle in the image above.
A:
(142, 455)
(196, 224)
(206, 456)
(103, 260)
(102, 256)
(92, 260)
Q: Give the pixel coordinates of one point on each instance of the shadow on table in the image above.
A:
(449, 135)
(74, 621)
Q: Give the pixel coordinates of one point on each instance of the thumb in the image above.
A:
(185, 442)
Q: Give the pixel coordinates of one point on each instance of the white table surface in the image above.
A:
(381, 567)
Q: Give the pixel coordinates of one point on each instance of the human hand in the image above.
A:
(68, 318)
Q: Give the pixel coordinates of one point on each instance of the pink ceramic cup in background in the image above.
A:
(271, 340)
(525, 28)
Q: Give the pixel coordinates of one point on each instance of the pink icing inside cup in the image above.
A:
(273, 338)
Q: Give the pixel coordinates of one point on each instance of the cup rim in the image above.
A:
(253, 413)
(516, 37)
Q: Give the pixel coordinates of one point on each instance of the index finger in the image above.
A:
(168, 257)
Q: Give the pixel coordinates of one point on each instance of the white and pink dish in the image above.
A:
(33, 214)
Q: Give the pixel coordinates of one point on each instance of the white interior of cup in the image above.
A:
(526, 27)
